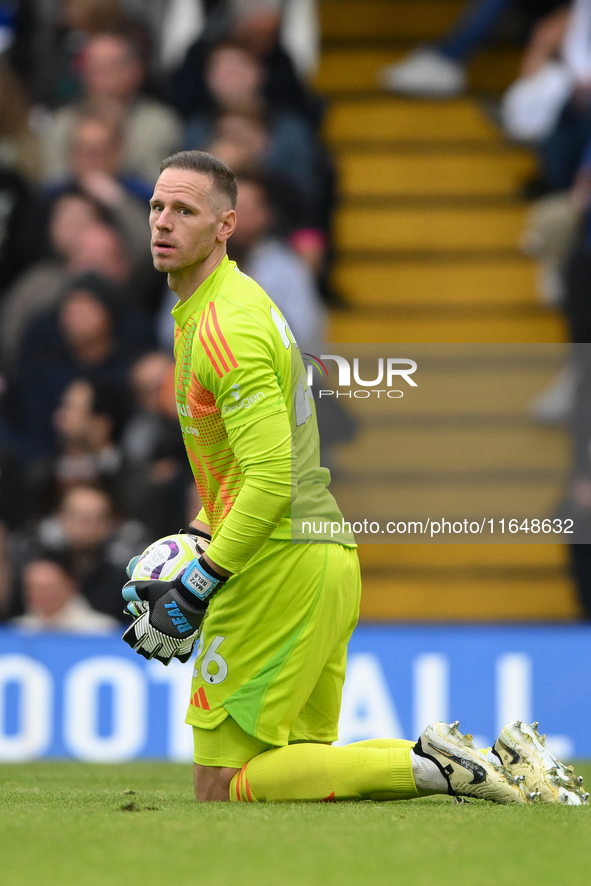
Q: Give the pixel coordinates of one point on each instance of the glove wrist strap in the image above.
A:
(201, 580)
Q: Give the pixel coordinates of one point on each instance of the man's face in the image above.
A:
(70, 217)
(72, 417)
(234, 77)
(46, 588)
(84, 320)
(253, 213)
(109, 68)
(95, 148)
(186, 219)
(86, 517)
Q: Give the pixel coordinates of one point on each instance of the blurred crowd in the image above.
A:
(93, 95)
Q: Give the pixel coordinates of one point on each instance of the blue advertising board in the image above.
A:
(94, 699)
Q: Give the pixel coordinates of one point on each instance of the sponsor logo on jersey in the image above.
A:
(184, 410)
(245, 403)
(199, 699)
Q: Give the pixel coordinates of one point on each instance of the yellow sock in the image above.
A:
(383, 743)
(316, 772)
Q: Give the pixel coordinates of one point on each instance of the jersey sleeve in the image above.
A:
(237, 364)
(264, 452)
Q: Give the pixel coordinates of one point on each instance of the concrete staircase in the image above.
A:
(427, 237)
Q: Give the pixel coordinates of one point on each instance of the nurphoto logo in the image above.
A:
(390, 370)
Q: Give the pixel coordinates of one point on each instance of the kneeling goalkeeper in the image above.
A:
(270, 666)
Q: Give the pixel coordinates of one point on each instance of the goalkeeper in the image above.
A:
(280, 604)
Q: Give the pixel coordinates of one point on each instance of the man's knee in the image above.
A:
(212, 782)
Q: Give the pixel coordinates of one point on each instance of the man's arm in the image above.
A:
(263, 449)
(201, 526)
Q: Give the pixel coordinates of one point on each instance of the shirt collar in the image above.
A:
(184, 310)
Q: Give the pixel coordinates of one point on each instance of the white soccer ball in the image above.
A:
(165, 559)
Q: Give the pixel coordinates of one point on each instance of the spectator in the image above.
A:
(19, 145)
(87, 527)
(19, 210)
(113, 72)
(95, 170)
(283, 141)
(80, 241)
(88, 421)
(20, 159)
(246, 130)
(438, 71)
(55, 78)
(89, 334)
(274, 266)
(53, 601)
(152, 443)
(291, 24)
(258, 30)
(242, 144)
(550, 104)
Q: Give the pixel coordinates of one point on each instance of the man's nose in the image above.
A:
(164, 220)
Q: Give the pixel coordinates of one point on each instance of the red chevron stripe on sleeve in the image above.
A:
(223, 341)
(204, 339)
(214, 343)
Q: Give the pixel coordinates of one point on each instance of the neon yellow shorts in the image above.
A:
(273, 649)
(226, 745)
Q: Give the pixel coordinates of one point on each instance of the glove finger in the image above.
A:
(164, 657)
(155, 651)
(148, 650)
(144, 653)
(132, 564)
(140, 638)
(185, 650)
(184, 656)
(135, 609)
(135, 632)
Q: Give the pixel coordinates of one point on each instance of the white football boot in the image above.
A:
(424, 73)
(469, 773)
(523, 752)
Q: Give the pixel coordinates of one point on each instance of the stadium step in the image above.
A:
(516, 556)
(427, 236)
(355, 70)
(429, 228)
(441, 325)
(442, 595)
(388, 119)
(453, 388)
(385, 498)
(417, 582)
(388, 283)
(409, 173)
(491, 446)
(364, 19)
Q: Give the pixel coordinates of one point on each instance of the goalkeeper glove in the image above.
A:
(169, 626)
(202, 541)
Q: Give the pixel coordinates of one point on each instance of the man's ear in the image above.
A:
(227, 224)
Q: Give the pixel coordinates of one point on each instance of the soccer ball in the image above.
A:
(165, 559)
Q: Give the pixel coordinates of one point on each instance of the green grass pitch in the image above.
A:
(75, 824)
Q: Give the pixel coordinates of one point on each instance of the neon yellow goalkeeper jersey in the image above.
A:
(236, 362)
